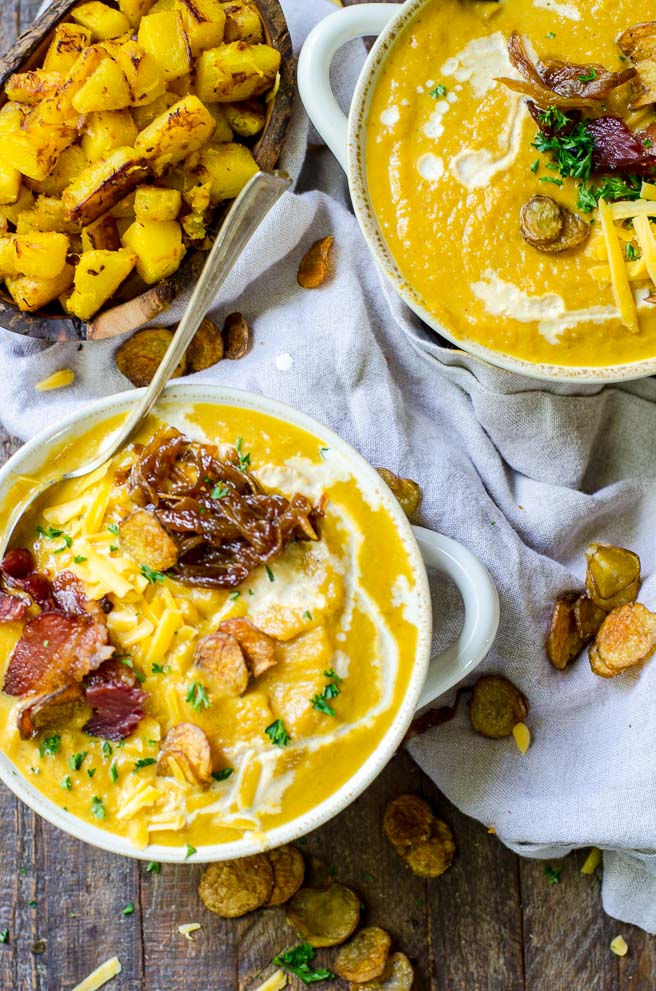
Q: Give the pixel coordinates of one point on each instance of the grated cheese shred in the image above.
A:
(58, 380)
(622, 292)
(101, 975)
(188, 928)
(276, 982)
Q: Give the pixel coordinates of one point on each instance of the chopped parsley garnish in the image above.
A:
(113, 773)
(647, 143)
(151, 575)
(332, 674)
(223, 774)
(113, 528)
(298, 960)
(535, 166)
(129, 663)
(4, 935)
(631, 252)
(50, 532)
(128, 910)
(551, 35)
(589, 75)
(278, 734)
(161, 668)
(66, 783)
(107, 749)
(611, 188)
(233, 596)
(153, 867)
(270, 574)
(190, 851)
(550, 178)
(331, 691)
(91, 771)
(553, 874)
(571, 147)
(49, 745)
(244, 459)
(79, 559)
(97, 807)
(220, 491)
(321, 705)
(197, 697)
(323, 452)
(439, 91)
(307, 615)
(143, 762)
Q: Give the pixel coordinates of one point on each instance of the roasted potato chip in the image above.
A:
(288, 873)
(564, 642)
(588, 616)
(364, 958)
(221, 660)
(145, 540)
(315, 266)
(258, 648)
(54, 709)
(643, 87)
(397, 976)
(496, 706)
(187, 744)
(627, 637)
(206, 348)
(237, 337)
(324, 917)
(407, 820)
(613, 575)
(235, 887)
(434, 856)
(139, 357)
(406, 491)
(549, 227)
(639, 42)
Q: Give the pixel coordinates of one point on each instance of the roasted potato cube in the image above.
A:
(142, 72)
(245, 119)
(107, 130)
(10, 181)
(153, 203)
(626, 638)
(143, 115)
(8, 256)
(32, 294)
(163, 36)
(139, 357)
(98, 275)
(35, 147)
(612, 576)
(180, 87)
(10, 212)
(223, 130)
(243, 22)
(46, 214)
(33, 86)
(183, 128)
(237, 71)
(102, 184)
(70, 163)
(134, 10)
(102, 21)
(229, 167)
(144, 539)
(106, 89)
(324, 916)
(158, 247)
(187, 746)
(68, 41)
(102, 234)
(41, 255)
(234, 887)
(204, 22)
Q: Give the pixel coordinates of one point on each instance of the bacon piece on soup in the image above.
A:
(258, 648)
(364, 958)
(288, 873)
(324, 916)
(627, 637)
(43, 711)
(618, 149)
(235, 887)
(221, 659)
(18, 563)
(146, 541)
(12, 608)
(188, 746)
(116, 701)
(54, 650)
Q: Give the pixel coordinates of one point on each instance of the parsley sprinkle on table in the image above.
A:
(4, 935)
(197, 697)
(128, 910)
(298, 960)
(153, 867)
(277, 733)
(553, 874)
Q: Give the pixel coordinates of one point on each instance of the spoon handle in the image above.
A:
(244, 217)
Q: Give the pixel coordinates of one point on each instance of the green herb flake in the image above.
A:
(223, 774)
(150, 575)
(113, 528)
(4, 935)
(550, 35)
(307, 615)
(234, 596)
(570, 146)
(332, 674)
(589, 75)
(270, 574)
(220, 491)
(97, 807)
(647, 143)
(244, 459)
(32, 903)
(161, 668)
(113, 772)
(367, 876)
(143, 762)
(75, 761)
(439, 91)
(66, 783)
(91, 771)
(49, 746)
(553, 874)
(535, 166)
(631, 252)
(331, 871)
(107, 749)
(112, 548)
(189, 851)
(321, 705)
(197, 697)
(153, 867)
(323, 452)
(278, 734)
(50, 532)
(128, 910)
(298, 961)
(554, 182)
(79, 559)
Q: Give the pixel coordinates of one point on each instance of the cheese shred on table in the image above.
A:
(110, 968)
(276, 982)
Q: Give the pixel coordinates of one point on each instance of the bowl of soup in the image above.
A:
(502, 165)
(215, 641)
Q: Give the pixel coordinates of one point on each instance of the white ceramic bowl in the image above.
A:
(347, 138)
(429, 678)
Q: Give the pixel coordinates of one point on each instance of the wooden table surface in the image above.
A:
(491, 923)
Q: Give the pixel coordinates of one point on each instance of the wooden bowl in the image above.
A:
(28, 52)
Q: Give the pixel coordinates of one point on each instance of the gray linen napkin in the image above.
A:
(524, 474)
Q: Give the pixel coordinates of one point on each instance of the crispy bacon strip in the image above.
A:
(617, 149)
(116, 700)
(12, 608)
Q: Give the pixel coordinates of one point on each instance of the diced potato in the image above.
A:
(35, 147)
(124, 209)
(223, 130)
(102, 184)
(144, 115)
(243, 22)
(107, 130)
(185, 126)
(134, 10)
(151, 203)
(102, 21)
(69, 40)
(41, 255)
(11, 211)
(158, 247)
(98, 275)
(141, 70)
(245, 119)
(229, 166)
(33, 86)
(163, 36)
(204, 22)
(106, 89)
(8, 256)
(10, 180)
(85, 64)
(32, 294)
(47, 214)
(70, 163)
(102, 234)
(236, 72)
(180, 87)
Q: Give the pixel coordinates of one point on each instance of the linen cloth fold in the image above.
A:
(524, 473)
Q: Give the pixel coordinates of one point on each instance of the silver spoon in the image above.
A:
(244, 217)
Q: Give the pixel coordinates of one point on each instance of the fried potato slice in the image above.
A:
(145, 540)
(564, 642)
(234, 887)
(643, 86)
(434, 856)
(237, 337)
(139, 357)
(639, 42)
(206, 347)
(627, 637)
(288, 873)
(588, 617)
(187, 744)
(102, 184)
(364, 958)
(221, 659)
(258, 648)
(397, 976)
(315, 266)
(496, 706)
(406, 491)
(407, 820)
(326, 916)
(612, 576)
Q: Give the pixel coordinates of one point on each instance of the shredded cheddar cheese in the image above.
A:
(276, 982)
(592, 861)
(58, 380)
(648, 191)
(626, 209)
(101, 975)
(522, 737)
(619, 946)
(622, 292)
(645, 238)
(188, 928)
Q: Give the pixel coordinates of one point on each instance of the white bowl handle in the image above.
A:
(481, 604)
(314, 67)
